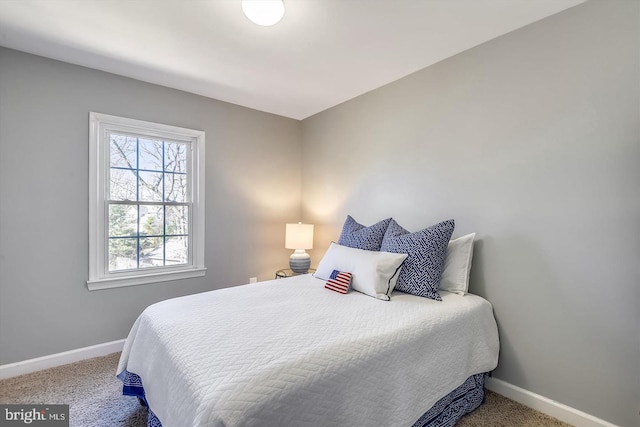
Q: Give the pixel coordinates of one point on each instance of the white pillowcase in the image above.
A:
(374, 273)
(455, 277)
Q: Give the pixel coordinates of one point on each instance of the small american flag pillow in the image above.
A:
(339, 281)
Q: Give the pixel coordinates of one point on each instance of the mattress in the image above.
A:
(291, 353)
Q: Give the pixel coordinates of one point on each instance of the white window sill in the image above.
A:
(118, 282)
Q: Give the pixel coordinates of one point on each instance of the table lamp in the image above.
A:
(299, 237)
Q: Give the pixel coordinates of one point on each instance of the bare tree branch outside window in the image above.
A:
(148, 203)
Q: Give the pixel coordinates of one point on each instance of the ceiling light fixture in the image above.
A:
(263, 12)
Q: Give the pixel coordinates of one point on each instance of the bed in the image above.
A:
(290, 352)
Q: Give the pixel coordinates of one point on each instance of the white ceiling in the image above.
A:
(321, 54)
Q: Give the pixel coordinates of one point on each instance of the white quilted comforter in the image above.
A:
(291, 353)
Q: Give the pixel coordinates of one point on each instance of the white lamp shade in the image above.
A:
(299, 236)
(263, 12)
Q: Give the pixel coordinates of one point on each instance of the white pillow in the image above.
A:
(373, 273)
(455, 277)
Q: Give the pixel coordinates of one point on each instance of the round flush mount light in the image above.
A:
(263, 12)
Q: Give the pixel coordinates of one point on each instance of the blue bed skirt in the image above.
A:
(461, 401)
(445, 413)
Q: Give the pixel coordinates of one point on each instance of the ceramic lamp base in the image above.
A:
(300, 261)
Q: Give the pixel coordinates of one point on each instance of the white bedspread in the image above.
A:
(291, 353)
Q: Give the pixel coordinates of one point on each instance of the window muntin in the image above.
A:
(146, 202)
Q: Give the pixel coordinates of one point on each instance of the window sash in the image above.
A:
(139, 235)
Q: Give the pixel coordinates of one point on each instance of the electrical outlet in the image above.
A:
(253, 279)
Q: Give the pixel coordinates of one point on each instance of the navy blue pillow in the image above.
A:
(426, 250)
(355, 235)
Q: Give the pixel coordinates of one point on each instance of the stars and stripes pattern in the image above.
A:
(339, 281)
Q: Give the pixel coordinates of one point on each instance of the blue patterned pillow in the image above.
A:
(358, 236)
(427, 251)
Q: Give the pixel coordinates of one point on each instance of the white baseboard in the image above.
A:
(59, 359)
(545, 405)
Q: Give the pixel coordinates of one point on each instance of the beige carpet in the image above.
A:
(94, 396)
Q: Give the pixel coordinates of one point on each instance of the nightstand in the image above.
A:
(287, 272)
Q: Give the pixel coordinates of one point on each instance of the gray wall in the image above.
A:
(252, 190)
(531, 140)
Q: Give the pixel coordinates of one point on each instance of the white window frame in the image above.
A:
(99, 164)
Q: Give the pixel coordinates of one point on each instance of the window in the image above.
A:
(146, 200)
